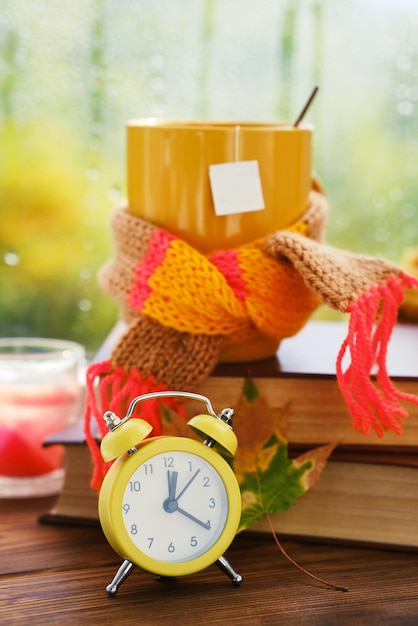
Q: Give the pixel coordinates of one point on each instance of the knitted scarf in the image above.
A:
(182, 307)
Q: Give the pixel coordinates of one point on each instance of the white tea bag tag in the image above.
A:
(236, 187)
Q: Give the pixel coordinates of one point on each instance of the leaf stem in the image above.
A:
(302, 569)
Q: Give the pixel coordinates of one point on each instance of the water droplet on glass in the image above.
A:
(396, 194)
(92, 173)
(404, 63)
(88, 244)
(157, 84)
(381, 235)
(84, 305)
(379, 200)
(157, 60)
(403, 91)
(85, 273)
(94, 144)
(411, 170)
(408, 210)
(410, 232)
(114, 194)
(89, 219)
(11, 259)
(405, 108)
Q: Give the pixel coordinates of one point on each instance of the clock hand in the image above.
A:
(205, 525)
(188, 484)
(170, 505)
(172, 484)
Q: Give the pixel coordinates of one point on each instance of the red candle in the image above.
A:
(27, 418)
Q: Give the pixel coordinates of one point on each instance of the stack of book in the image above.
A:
(368, 491)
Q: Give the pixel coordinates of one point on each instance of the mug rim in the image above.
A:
(216, 125)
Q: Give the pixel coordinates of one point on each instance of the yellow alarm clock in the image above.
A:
(170, 505)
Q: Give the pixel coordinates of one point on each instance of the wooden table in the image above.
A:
(53, 574)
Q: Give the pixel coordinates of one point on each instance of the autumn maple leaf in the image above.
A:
(269, 480)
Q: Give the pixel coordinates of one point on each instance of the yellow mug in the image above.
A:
(168, 184)
(168, 177)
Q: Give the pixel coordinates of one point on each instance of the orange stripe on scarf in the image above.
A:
(234, 293)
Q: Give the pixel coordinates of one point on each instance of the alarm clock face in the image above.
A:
(175, 506)
(172, 507)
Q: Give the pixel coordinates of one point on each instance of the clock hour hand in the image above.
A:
(205, 525)
(172, 484)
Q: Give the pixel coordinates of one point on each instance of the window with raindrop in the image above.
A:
(72, 73)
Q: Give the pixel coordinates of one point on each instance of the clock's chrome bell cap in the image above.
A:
(204, 426)
(124, 437)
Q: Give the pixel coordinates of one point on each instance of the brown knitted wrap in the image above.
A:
(180, 360)
(336, 276)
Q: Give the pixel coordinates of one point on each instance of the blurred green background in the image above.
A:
(73, 72)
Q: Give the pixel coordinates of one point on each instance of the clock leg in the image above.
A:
(227, 569)
(120, 576)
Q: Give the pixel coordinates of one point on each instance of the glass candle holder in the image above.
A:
(41, 392)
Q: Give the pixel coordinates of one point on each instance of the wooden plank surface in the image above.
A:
(57, 575)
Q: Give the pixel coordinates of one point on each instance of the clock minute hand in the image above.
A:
(205, 525)
(188, 484)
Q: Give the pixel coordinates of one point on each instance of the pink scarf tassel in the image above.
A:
(374, 403)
